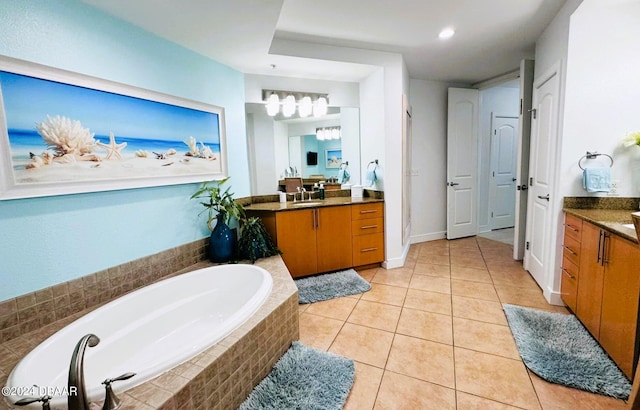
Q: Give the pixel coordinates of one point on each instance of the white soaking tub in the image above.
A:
(148, 332)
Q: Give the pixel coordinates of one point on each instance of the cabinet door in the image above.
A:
(589, 298)
(334, 238)
(619, 319)
(569, 283)
(297, 240)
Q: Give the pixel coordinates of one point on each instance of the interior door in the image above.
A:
(462, 167)
(522, 172)
(544, 132)
(502, 189)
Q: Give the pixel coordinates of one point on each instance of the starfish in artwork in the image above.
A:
(113, 148)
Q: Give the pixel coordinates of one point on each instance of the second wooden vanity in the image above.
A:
(324, 236)
(601, 280)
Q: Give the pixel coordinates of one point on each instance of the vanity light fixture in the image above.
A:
(306, 103)
(328, 133)
(446, 33)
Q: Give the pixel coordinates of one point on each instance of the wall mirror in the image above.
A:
(280, 147)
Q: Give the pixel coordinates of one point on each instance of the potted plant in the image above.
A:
(221, 206)
(255, 242)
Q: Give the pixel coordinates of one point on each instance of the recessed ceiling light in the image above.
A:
(446, 33)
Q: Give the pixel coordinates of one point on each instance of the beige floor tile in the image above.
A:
(302, 308)
(464, 243)
(338, 308)
(558, 397)
(428, 301)
(378, 315)
(434, 259)
(474, 275)
(518, 278)
(433, 251)
(426, 325)
(465, 253)
(484, 337)
(422, 359)
(365, 387)
(432, 270)
(391, 295)
(495, 378)
(523, 297)
(431, 284)
(368, 274)
(394, 277)
(318, 331)
(468, 262)
(476, 290)
(398, 392)
(364, 344)
(471, 402)
(477, 309)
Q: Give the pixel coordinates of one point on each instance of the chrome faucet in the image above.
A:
(79, 400)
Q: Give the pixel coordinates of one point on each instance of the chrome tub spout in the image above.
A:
(78, 399)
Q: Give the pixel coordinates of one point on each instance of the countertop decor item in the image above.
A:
(255, 242)
(331, 285)
(631, 139)
(220, 205)
(559, 349)
(304, 378)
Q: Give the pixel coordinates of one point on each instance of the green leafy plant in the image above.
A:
(255, 242)
(218, 201)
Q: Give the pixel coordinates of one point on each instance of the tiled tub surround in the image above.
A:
(219, 378)
(607, 213)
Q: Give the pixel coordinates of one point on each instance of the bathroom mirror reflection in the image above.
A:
(280, 147)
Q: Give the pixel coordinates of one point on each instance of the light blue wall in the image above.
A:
(311, 143)
(45, 241)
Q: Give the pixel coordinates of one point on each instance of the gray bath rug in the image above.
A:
(330, 285)
(559, 349)
(304, 378)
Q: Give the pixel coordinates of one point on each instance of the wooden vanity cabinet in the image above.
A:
(367, 228)
(315, 240)
(571, 261)
(608, 293)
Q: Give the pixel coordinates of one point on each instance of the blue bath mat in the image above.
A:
(559, 349)
(304, 378)
(330, 285)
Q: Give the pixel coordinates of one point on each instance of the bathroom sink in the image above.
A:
(307, 203)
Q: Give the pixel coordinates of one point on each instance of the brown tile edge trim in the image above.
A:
(219, 378)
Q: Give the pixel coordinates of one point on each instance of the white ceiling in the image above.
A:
(492, 36)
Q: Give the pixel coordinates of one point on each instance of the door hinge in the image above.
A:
(520, 106)
(492, 214)
(531, 181)
(527, 245)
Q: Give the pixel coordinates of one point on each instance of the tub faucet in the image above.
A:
(79, 400)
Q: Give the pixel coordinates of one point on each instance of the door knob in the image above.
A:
(544, 197)
(452, 183)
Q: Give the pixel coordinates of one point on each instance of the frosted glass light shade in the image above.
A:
(289, 106)
(305, 107)
(320, 107)
(335, 134)
(273, 105)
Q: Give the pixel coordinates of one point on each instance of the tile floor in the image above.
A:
(433, 335)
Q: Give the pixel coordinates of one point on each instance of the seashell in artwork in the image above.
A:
(142, 153)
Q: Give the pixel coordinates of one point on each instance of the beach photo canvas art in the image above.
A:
(65, 133)
(334, 158)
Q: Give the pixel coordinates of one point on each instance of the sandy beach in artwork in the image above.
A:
(130, 166)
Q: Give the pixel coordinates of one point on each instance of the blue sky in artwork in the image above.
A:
(29, 100)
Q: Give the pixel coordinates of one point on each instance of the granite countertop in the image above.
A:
(314, 203)
(611, 219)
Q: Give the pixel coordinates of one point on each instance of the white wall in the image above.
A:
(499, 100)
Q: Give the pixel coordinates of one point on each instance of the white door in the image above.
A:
(462, 167)
(522, 174)
(502, 187)
(544, 130)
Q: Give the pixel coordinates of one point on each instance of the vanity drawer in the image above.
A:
(571, 249)
(367, 226)
(569, 284)
(366, 211)
(368, 249)
(573, 227)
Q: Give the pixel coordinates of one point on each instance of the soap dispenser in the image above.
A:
(321, 191)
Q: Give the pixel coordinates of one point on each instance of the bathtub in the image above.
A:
(148, 332)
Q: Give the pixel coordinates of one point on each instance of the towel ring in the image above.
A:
(593, 155)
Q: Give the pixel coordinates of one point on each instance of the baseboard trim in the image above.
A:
(554, 298)
(397, 262)
(428, 237)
